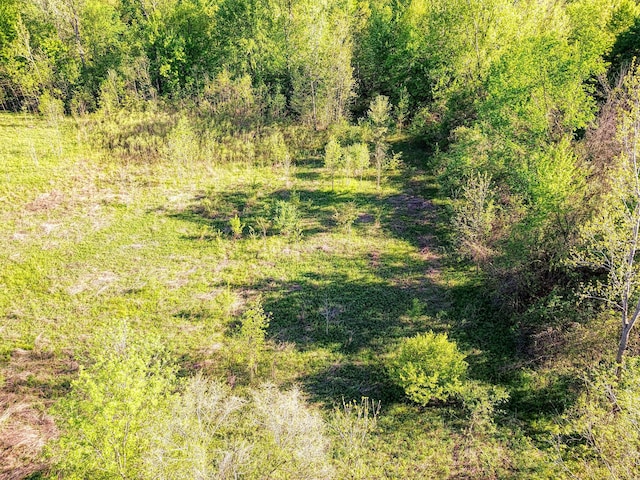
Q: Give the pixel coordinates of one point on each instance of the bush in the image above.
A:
(428, 367)
(287, 217)
(289, 437)
(605, 425)
(212, 434)
(345, 214)
(196, 439)
(106, 415)
(474, 217)
(182, 144)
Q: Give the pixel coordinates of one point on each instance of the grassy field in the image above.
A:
(90, 243)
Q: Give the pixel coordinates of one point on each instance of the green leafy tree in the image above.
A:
(379, 115)
(279, 153)
(611, 240)
(252, 332)
(8, 23)
(401, 110)
(359, 158)
(609, 438)
(333, 156)
(321, 71)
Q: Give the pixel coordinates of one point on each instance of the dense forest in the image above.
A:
(312, 239)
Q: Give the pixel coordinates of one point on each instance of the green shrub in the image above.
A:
(263, 225)
(481, 401)
(474, 217)
(52, 108)
(236, 226)
(278, 151)
(428, 367)
(287, 217)
(605, 423)
(345, 214)
(182, 143)
(107, 413)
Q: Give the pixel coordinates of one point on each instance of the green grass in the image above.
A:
(91, 241)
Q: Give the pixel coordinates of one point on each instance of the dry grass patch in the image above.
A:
(33, 380)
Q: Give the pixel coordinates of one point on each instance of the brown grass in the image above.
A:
(24, 430)
(33, 379)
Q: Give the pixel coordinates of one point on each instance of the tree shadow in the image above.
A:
(341, 313)
(352, 381)
(361, 317)
(558, 394)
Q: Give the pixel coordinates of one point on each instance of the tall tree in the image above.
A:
(611, 241)
(322, 77)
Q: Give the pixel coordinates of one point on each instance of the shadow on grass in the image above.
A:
(344, 314)
(557, 394)
(308, 176)
(409, 217)
(352, 381)
(362, 316)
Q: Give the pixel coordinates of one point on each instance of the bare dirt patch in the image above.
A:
(46, 201)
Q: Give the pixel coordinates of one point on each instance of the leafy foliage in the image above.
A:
(428, 367)
(610, 239)
(190, 116)
(604, 424)
(333, 156)
(109, 410)
(252, 333)
(474, 219)
(287, 217)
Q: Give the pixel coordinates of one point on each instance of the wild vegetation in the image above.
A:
(319, 239)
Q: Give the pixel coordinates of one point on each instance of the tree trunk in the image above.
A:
(622, 346)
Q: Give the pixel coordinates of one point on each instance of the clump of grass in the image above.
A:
(353, 423)
(263, 224)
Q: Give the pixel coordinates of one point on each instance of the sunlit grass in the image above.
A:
(90, 241)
